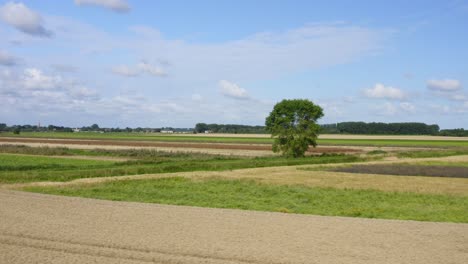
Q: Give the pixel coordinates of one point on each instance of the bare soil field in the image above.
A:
(407, 170)
(168, 145)
(38, 228)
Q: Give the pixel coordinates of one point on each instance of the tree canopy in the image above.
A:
(293, 125)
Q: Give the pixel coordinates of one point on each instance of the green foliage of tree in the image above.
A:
(293, 125)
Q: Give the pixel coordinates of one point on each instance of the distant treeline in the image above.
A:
(380, 128)
(459, 132)
(233, 129)
(344, 128)
(338, 128)
(93, 128)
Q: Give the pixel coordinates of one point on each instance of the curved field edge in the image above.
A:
(252, 195)
(25, 171)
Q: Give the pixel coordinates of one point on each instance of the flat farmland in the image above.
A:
(134, 198)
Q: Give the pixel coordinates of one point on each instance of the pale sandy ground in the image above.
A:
(36, 228)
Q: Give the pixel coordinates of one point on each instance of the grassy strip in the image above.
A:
(247, 140)
(250, 195)
(393, 143)
(165, 166)
(433, 153)
(12, 162)
(145, 154)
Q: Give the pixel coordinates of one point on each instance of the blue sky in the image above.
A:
(176, 63)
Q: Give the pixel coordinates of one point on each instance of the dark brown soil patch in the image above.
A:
(407, 170)
(170, 144)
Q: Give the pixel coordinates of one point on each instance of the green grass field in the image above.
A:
(21, 169)
(23, 164)
(250, 195)
(13, 162)
(243, 140)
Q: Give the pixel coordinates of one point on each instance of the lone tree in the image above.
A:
(293, 125)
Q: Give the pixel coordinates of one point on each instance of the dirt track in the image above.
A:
(39, 228)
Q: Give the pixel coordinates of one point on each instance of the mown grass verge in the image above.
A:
(433, 153)
(169, 163)
(251, 195)
(13, 162)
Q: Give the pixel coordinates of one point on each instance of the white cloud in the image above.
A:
(384, 92)
(151, 69)
(24, 19)
(262, 55)
(192, 64)
(125, 71)
(232, 90)
(7, 59)
(197, 97)
(388, 109)
(141, 68)
(394, 109)
(445, 85)
(34, 79)
(459, 97)
(407, 107)
(114, 5)
(64, 68)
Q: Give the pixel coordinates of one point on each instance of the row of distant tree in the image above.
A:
(381, 128)
(229, 128)
(338, 128)
(93, 128)
(345, 128)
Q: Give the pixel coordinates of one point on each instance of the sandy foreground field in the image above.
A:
(38, 228)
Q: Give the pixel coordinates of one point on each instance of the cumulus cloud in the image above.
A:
(124, 70)
(445, 85)
(381, 91)
(120, 6)
(232, 90)
(407, 107)
(33, 82)
(23, 19)
(7, 59)
(196, 64)
(34, 79)
(151, 69)
(140, 68)
(394, 109)
(64, 68)
(197, 97)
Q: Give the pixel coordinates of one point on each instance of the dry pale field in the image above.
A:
(37, 228)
